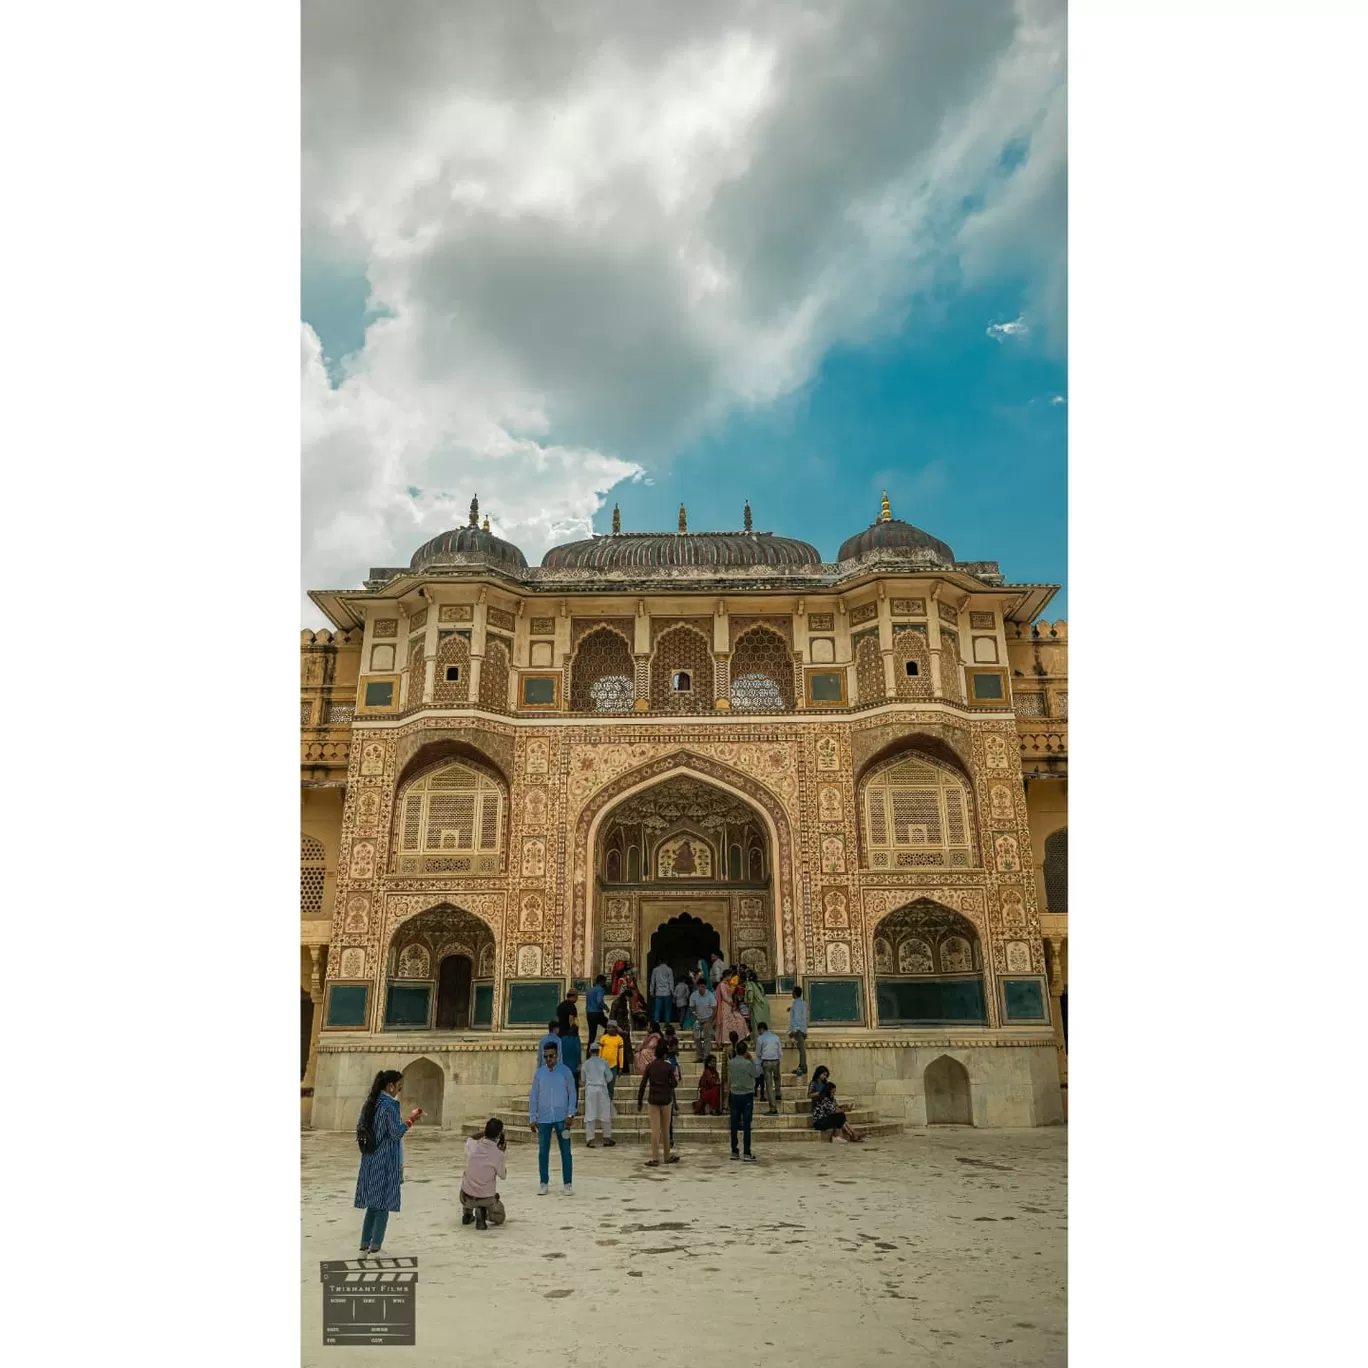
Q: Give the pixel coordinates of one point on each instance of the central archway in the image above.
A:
(720, 850)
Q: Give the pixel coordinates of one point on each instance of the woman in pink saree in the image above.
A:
(728, 1017)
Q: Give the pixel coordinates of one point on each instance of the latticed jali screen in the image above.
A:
(451, 822)
(601, 674)
(682, 651)
(311, 874)
(917, 816)
(761, 673)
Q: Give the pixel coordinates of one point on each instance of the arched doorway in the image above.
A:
(424, 1085)
(440, 970)
(928, 965)
(948, 1100)
(681, 942)
(306, 1016)
(683, 867)
(454, 977)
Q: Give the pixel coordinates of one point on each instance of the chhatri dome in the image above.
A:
(888, 533)
(465, 543)
(619, 550)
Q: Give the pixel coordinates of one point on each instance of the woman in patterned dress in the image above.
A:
(729, 1017)
(377, 1183)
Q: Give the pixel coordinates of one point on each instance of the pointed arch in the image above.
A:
(682, 651)
(580, 930)
(603, 672)
(761, 672)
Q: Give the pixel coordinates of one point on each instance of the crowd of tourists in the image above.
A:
(714, 1002)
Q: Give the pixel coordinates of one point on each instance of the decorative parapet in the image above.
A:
(329, 753)
(1037, 741)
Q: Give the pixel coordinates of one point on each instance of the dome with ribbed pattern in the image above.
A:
(664, 550)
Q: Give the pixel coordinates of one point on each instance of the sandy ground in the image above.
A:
(944, 1247)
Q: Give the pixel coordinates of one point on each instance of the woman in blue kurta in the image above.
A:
(377, 1184)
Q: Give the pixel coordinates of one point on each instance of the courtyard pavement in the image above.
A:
(943, 1247)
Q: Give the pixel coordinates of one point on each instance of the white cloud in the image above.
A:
(1018, 327)
(1057, 399)
(596, 229)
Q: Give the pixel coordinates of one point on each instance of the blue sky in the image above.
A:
(688, 262)
(960, 427)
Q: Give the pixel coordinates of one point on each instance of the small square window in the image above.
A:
(539, 691)
(825, 687)
(681, 683)
(379, 693)
(453, 674)
(988, 687)
(913, 668)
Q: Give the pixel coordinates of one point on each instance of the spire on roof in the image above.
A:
(484, 527)
(683, 519)
(746, 517)
(885, 511)
(617, 520)
(475, 511)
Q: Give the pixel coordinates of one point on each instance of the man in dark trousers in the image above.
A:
(742, 1073)
(658, 1089)
(596, 1006)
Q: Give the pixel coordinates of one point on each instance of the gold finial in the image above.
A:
(683, 519)
(617, 520)
(746, 517)
(885, 512)
(475, 511)
(484, 527)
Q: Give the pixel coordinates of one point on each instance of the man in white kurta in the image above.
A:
(598, 1105)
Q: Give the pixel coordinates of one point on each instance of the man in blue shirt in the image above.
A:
(550, 1110)
(703, 1005)
(662, 992)
(798, 1025)
(769, 1053)
(596, 1007)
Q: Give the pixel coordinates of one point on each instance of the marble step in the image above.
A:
(685, 1122)
(760, 1135)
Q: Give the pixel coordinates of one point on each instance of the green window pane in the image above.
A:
(826, 688)
(347, 1004)
(540, 691)
(379, 693)
(988, 686)
(1023, 1000)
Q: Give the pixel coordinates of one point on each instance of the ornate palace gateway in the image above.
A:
(846, 775)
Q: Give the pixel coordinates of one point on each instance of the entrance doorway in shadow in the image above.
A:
(681, 942)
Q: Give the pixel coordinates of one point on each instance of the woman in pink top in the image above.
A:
(480, 1201)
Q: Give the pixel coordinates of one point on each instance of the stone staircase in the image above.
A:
(632, 1125)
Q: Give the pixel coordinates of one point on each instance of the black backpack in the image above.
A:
(365, 1135)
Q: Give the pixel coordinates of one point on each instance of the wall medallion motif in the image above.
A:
(353, 964)
(838, 957)
(830, 804)
(1000, 803)
(1008, 858)
(372, 758)
(362, 864)
(529, 961)
(835, 913)
(833, 855)
(356, 921)
(538, 756)
(530, 914)
(828, 753)
(534, 858)
(1018, 957)
(684, 857)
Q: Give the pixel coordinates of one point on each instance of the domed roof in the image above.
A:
(470, 541)
(890, 533)
(696, 550)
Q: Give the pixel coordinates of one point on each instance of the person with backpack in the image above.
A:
(379, 1136)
